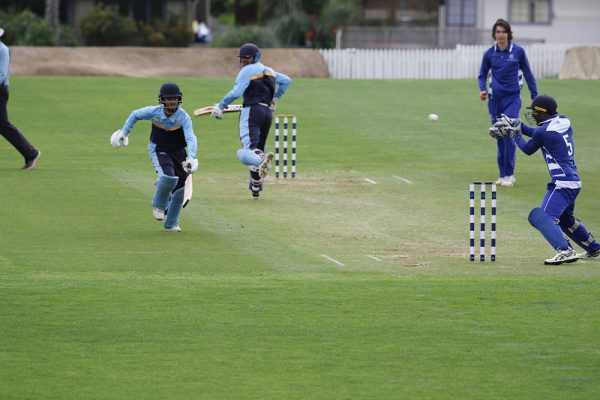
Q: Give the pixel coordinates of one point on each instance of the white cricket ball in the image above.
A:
(433, 117)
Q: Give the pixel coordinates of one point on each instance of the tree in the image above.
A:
(52, 7)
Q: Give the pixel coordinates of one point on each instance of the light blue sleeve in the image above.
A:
(188, 133)
(283, 82)
(145, 113)
(241, 83)
(4, 64)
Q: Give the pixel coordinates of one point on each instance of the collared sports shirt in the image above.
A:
(508, 68)
(555, 138)
(176, 129)
(258, 84)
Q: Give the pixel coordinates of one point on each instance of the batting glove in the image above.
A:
(118, 139)
(217, 112)
(190, 165)
(273, 105)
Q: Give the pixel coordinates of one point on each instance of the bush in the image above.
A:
(25, 29)
(66, 37)
(260, 35)
(291, 29)
(104, 26)
(175, 32)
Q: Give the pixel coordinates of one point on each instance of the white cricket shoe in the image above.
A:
(175, 228)
(563, 256)
(587, 256)
(499, 181)
(509, 181)
(265, 165)
(158, 214)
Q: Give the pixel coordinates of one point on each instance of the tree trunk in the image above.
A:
(52, 7)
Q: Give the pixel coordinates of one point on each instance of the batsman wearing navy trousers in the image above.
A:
(171, 133)
(262, 87)
(8, 130)
(553, 136)
(507, 65)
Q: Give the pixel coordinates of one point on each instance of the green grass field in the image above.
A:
(97, 301)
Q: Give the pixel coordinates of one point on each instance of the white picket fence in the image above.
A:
(462, 62)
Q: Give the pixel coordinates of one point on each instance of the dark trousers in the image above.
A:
(10, 132)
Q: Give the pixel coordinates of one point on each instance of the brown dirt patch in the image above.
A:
(149, 61)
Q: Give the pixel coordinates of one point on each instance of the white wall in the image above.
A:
(574, 22)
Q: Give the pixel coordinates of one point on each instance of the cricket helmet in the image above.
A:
(541, 108)
(250, 50)
(170, 90)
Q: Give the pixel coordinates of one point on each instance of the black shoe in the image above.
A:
(255, 187)
(31, 163)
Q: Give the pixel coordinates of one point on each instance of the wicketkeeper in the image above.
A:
(171, 132)
(553, 136)
(262, 87)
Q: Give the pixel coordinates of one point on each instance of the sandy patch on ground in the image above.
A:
(151, 61)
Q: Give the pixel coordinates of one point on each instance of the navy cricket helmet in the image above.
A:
(170, 90)
(540, 109)
(544, 104)
(250, 50)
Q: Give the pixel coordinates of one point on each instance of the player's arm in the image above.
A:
(483, 75)
(527, 130)
(190, 136)
(120, 137)
(531, 146)
(241, 83)
(528, 75)
(283, 82)
(4, 63)
(136, 115)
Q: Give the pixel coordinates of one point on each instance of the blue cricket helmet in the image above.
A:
(544, 103)
(170, 90)
(250, 49)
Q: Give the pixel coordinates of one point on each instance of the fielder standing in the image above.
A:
(171, 132)
(508, 64)
(554, 136)
(262, 87)
(8, 130)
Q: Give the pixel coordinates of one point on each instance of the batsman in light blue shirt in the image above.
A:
(171, 133)
(261, 87)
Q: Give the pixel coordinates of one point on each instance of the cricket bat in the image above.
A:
(207, 110)
(188, 189)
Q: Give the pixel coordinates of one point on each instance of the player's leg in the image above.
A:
(13, 135)
(265, 125)
(511, 107)
(167, 180)
(252, 153)
(576, 231)
(494, 110)
(249, 154)
(176, 200)
(545, 219)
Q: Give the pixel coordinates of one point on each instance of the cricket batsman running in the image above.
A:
(262, 88)
(171, 132)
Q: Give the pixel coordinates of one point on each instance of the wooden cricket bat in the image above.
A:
(207, 110)
(188, 190)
